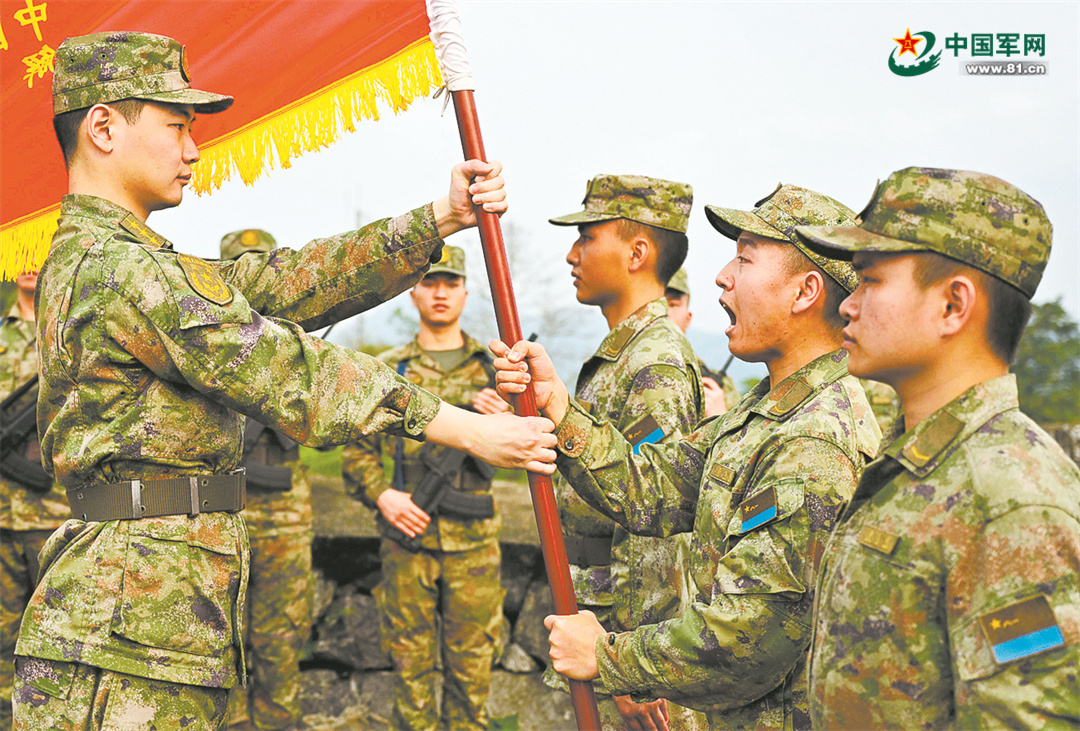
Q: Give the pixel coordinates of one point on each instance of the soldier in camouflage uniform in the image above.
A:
(31, 505)
(759, 487)
(277, 620)
(148, 360)
(719, 396)
(644, 378)
(949, 594)
(442, 595)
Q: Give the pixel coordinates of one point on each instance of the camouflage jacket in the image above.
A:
(20, 507)
(362, 463)
(760, 488)
(147, 356)
(644, 379)
(948, 594)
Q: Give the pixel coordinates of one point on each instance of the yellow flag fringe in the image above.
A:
(309, 124)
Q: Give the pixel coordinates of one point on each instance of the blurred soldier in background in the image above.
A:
(441, 595)
(279, 522)
(31, 505)
(719, 388)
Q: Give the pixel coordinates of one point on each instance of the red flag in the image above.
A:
(301, 73)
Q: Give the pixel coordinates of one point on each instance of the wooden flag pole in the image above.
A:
(543, 495)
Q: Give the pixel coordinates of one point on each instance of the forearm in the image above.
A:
(362, 470)
(337, 277)
(722, 655)
(653, 493)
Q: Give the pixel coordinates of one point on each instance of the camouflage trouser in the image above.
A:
(18, 574)
(438, 603)
(69, 696)
(277, 624)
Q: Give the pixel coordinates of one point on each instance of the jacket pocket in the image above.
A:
(181, 584)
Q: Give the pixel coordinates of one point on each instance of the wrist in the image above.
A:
(445, 220)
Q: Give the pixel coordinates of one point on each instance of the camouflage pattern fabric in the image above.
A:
(965, 527)
(446, 599)
(68, 696)
(645, 379)
(362, 461)
(661, 203)
(21, 508)
(106, 67)
(27, 517)
(884, 401)
(760, 487)
(278, 613)
(731, 392)
(148, 359)
(974, 218)
(446, 603)
(777, 215)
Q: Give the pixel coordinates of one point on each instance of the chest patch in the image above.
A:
(722, 474)
(205, 279)
(1022, 629)
(758, 510)
(878, 540)
(646, 431)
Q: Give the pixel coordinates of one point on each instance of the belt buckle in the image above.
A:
(241, 472)
(137, 508)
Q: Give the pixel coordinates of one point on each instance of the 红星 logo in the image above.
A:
(922, 62)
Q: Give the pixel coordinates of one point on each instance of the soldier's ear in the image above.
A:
(99, 128)
(640, 248)
(959, 297)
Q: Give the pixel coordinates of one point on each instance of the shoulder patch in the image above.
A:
(646, 431)
(205, 279)
(143, 233)
(1022, 629)
(794, 395)
(931, 442)
(758, 510)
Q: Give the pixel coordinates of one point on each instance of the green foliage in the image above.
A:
(506, 723)
(1047, 366)
(327, 463)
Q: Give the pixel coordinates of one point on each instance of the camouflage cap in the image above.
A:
(776, 216)
(679, 281)
(107, 67)
(452, 261)
(974, 218)
(249, 239)
(661, 203)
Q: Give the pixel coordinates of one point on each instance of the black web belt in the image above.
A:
(133, 499)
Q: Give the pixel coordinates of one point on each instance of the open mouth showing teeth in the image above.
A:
(730, 313)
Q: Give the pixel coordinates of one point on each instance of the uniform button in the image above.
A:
(411, 423)
(568, 444)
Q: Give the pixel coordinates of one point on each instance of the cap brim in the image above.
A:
(436, 269)
(841, 242)
(205, 102)
(576, 219)
(731, 223)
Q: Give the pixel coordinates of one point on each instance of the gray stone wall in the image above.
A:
(348, 681)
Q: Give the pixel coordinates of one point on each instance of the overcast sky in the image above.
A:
(730, 97)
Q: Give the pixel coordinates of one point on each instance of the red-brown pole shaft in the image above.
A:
(543, 495)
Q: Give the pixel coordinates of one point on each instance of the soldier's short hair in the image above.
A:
(671, 246)
(66, 125)
(1009, 308)
(796, 262)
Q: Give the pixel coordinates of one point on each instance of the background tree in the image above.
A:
(1047, 366)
